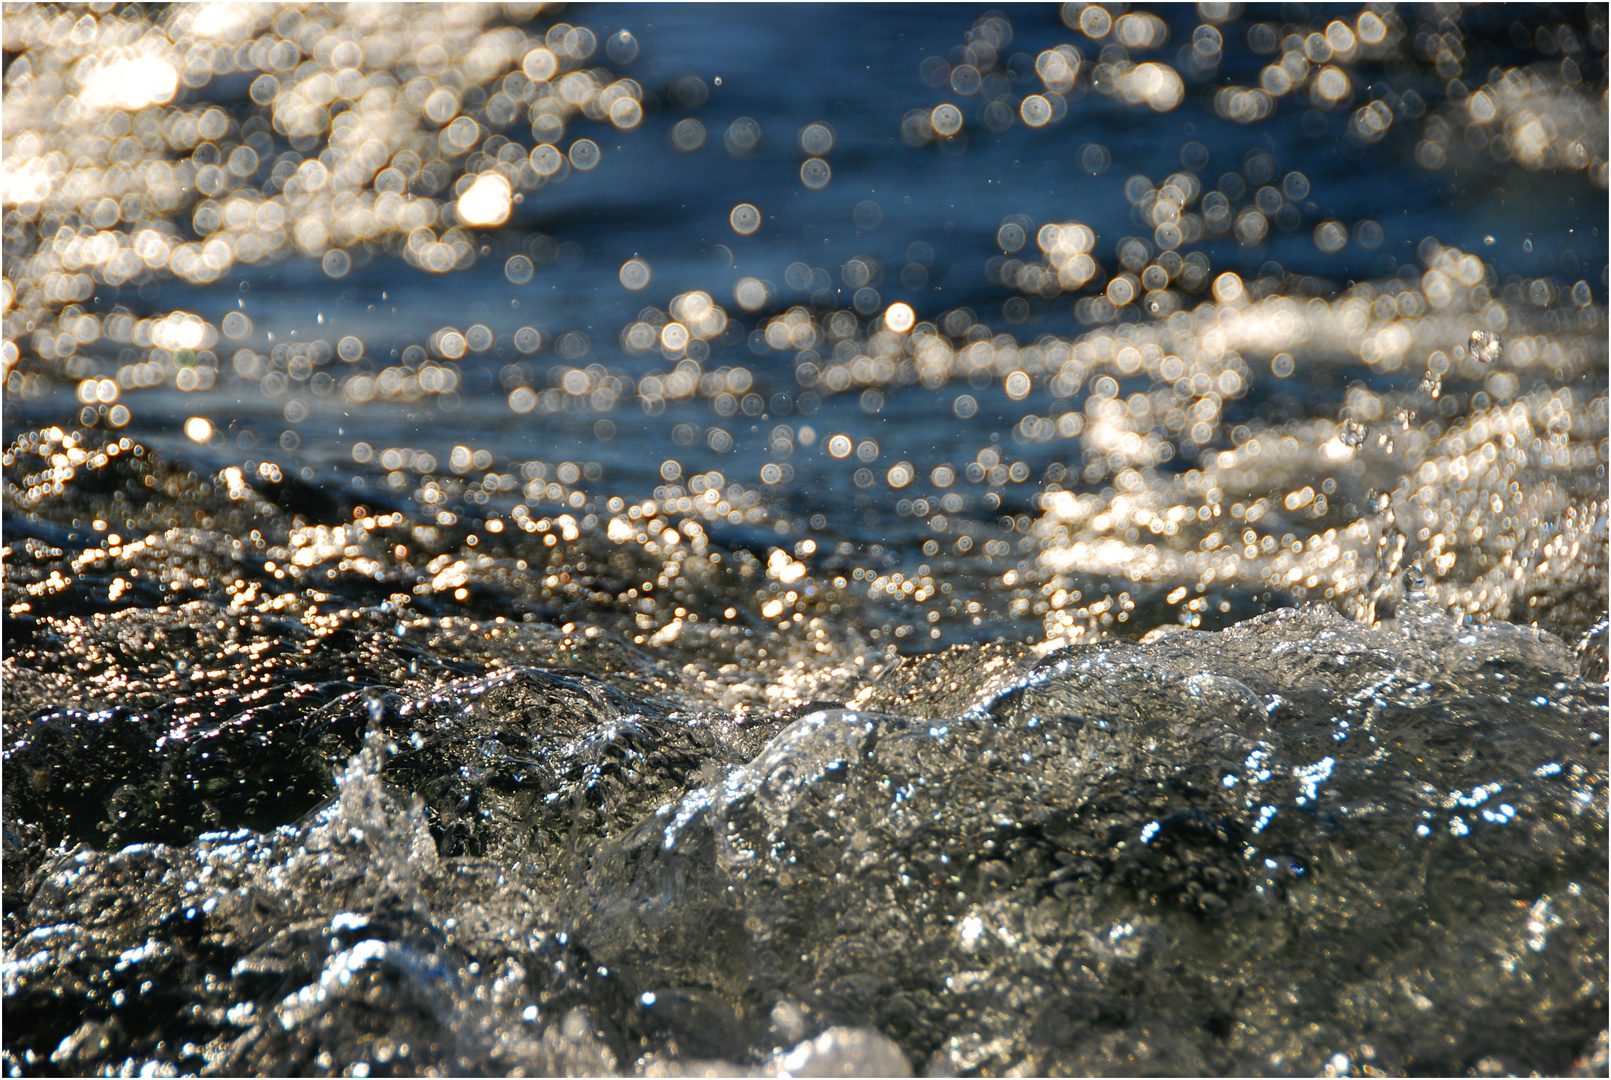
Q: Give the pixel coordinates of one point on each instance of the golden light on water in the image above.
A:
(123, 82)
(360, 143)
(487, 202)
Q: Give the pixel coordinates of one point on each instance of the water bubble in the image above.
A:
(336, 263)
(635, 273)
(743, 135)
(198, 429)
(528, 339)
(243, 162)
(621, 47)
(1295, 186)
(442, 106)
(816, 139)
(478, 338)
(1281, 365)
(518, 270)
(626, 113)
(264, 89)
(797, 276)
(1011, 236)
(1140, 30)
(1369, 234)
(839, 446)
(899, 318)
(579, 43)
(546, 160)
(1251, 226)
(1330, 87)
(459, 136)
(965, 79)
(867, 215)
(745, 219)
(1331, 236)
(350, 349)
(574, 345)
(965, 406)
(815, 174)
(1036, 111)
(750, 293)
(1228, 288)
(1092, 20)
(451, 344)
(946, 119)
(690, 92)
(1353, 433)
(236, 326)
(1429, 155)
(540, 64)
(1095, 159)
(584, 154)
(687, 135)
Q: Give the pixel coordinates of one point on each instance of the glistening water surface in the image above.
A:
(804, 539)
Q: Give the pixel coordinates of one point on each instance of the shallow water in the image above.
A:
(1115, 586)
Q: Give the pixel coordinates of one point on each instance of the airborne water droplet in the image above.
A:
(1485, 346)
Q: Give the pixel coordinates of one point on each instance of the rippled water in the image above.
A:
(812, 540)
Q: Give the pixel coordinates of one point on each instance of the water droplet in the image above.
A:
(1484, 346)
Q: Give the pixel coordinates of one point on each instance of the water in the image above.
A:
(1105, 578)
